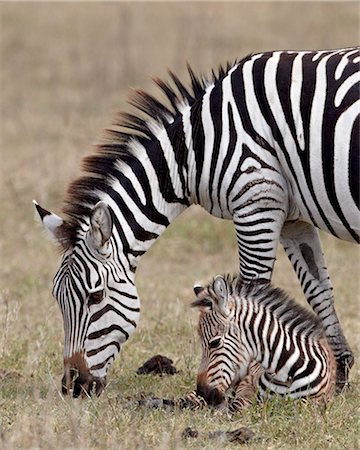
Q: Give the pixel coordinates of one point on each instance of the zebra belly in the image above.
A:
(348, 229)
(306, 386)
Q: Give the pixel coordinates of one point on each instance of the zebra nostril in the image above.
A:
(99, 385)
(83, 385)
(77, 388)
(67, 381)
(87, 385)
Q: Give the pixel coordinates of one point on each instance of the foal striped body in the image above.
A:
(270, 143)
(254, 338)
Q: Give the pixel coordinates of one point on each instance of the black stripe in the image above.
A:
(102, 364)
(259, 86)
(229, 153)
(95, 351)
(238, 87)
(198, 139)
(123, 305)
(177, 138)
(354, 164)
(149, 209)
(158, 161)
(328, 134)
(283, 85)
(216, 99)
(108, 330)
(96, 316)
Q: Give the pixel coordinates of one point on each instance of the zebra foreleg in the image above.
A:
(244, 395)
(247, 388)
(302, 244)
(191, 401)
(258, 226)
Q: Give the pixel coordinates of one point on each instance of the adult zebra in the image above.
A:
(271, 143)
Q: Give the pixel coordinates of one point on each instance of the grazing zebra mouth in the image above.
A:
(78, 380)
(81, 384)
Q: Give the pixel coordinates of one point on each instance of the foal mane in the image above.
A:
(281, 305)
(273, 299)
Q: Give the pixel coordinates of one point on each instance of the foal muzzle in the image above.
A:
(211, 395)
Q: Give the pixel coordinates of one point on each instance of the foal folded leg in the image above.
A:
(247, 388)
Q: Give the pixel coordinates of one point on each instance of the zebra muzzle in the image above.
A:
(78, 381)
(211, 395)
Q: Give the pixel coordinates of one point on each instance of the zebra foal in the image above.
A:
(256, 339)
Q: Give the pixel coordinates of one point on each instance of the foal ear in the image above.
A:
(203, 300)
(198, 289)
(203, 303)
(52, 223)
(222, 292)
(101, 224)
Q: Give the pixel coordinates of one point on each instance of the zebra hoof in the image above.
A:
(344, 364)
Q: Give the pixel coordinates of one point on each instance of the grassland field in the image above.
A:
(65, 69)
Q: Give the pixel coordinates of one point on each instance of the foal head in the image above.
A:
(220, 339)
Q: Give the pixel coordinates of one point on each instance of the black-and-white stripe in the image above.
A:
(271, 143)
(241, 324)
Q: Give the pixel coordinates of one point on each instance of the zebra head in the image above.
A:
(220, 338)
(98, 300)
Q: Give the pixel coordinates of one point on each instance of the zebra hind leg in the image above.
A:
(303, 247)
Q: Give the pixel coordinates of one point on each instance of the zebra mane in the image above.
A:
(99, 167)
(278, 302)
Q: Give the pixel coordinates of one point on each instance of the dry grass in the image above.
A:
(65, 68)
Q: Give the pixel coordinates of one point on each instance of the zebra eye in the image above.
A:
(215, 342)
(96, 297)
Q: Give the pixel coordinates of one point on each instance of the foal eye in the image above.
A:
(96, 297)
(215, 343)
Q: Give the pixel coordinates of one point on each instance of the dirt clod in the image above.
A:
(239, 436)
(158, 364)
(189, 433)
(156, 403)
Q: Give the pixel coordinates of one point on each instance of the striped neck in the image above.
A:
(248, 319)
(147, 193)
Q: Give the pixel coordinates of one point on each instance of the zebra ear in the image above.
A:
(203, 300)
(51, 221)
(101, 224)
(221, 291)
(203, 303)
(198, 289)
